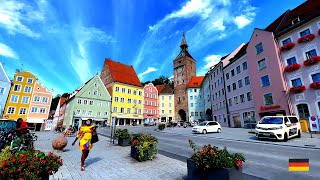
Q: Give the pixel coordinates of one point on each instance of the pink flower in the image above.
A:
(239, 164)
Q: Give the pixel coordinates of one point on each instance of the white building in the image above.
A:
(195, 99)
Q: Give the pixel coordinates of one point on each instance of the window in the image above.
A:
(85, 102)
(23, 111)
(84, 112)
(154, 103)
(116, 99)
(140, 101)
(262, 64)
(105, 113)
(100, 103)
(30, 80)
(230, 102)
(1, 90)
(170, 105)
(305, 32)
(286, 41)
(249, 96)
(140, 93)
(122, 110)
(27, 89)
(115, 109)
(196, 113)
(235, 99)
(162, 104)
(311, 54)
(170, 111)
(240, 83)
(117, 89)
(98, 114)
(195, 90)
(303, 111)
(44, 99)
(11, 110)
(89, 113)
(134, 101)
(146, 110)
(146, 102)
(268, 100)
(191, 104)
(34, 109)
(191, 97)
(162, 97)
(150, 103)
(234, 86)
(129, 91)
(227, 76)
(259, 48)
(296, 82)
(19, 79)
(78, 112)
(154, 112)
(170, 97)
(25, 100)
(14, 98)
(128, 110)
(154, 97)
(228, 88)
(90, 102)
(315, 77)
(232, 72)
(246, 80)
(245, 66)
(89, 92)
(134, 92)
(122, 100)
(242, 98)
(238, 69)
(145, 94)
(95, 93)
(291, 61)
(265, 81)
(129, 101)
(199, 97)
(17, 88)
(192, 113)
(38, 98)
(195, 97)
(150, 95)
(162, 111)
(150, 111)
(123, 90)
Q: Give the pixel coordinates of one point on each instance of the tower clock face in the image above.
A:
(180, 70)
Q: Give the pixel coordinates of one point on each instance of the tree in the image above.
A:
(159, 81)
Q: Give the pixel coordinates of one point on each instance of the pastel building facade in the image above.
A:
(166, 103)
(206, 94)
(58, 113)
(195, 99)
(239, 91)
(150, 113)
(5, 85)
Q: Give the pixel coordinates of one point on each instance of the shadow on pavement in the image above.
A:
(93, 160)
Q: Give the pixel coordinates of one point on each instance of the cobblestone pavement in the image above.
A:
(109, 161)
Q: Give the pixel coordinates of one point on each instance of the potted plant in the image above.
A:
(161, 126)
(292, 67)
(315, 85)
(288, 46)
(29, 164)
(297, 89)
(143, 146)
(213, 163)
(123, 137)
(312, 61)
(306, 38)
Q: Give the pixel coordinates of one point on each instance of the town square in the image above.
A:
(186, 89)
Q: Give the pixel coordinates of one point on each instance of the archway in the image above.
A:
(182, 114)
(208, 114)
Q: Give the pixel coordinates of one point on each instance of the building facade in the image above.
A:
(239, 91)
(5, 85)
(39, 106)
(195, 99)
(20, 96)
(184, 68)
(57, 114)
(206, 94)
(166, 103)
(150, 108)
(126, 91)
(91, 101)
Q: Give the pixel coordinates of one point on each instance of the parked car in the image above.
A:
(278, 127)
(206, 127)
(149, 124)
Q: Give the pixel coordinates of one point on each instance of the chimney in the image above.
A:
(17, 70)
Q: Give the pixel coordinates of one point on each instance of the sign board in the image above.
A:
(314, 123)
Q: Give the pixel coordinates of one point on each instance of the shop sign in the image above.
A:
(265, 108)
(314, 123)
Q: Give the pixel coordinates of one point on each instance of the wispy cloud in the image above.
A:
(246, 17)
(210, 61)
(6, 51)
(149, 70)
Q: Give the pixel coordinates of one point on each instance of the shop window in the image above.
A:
(303, 111)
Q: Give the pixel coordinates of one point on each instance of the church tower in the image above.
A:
(184, 68)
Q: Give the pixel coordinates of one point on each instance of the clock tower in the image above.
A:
(184, 68)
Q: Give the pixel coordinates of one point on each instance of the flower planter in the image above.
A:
(292, 67)
(315, 85)
(123, 142)
(306, 38)
(220, 173)
(45, 177)
(135, 154)
(312, 61)
(297, 89)
(288, 46)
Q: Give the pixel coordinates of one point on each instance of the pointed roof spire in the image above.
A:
(183, 43)
(184, 48)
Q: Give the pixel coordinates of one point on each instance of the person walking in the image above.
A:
(85, 145)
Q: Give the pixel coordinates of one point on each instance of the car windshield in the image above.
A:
(271, 120)
(202, 124)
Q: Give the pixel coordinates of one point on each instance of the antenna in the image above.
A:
(21, 67)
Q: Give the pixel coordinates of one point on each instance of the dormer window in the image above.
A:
(296, 20)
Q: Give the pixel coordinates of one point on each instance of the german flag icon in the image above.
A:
(298, 165)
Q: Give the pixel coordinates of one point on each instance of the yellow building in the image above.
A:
(166, 103)
(20, 95)
(126, 91)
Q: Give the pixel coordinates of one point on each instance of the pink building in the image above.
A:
(150, 103)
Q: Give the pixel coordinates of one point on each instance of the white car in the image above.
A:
(206, 127)
(278, 127)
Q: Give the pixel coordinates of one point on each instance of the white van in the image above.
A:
(278, 127)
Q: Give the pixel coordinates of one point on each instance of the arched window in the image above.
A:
(303, 111)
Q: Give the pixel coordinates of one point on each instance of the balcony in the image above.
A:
(312, 61)
(315, 85)
(292, 67)
(287, 47)
(306, 38)
(297, 89)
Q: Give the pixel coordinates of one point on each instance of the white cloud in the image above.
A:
(218, 24)
(149, 70)
(6, 51)
(246, 17)
(210, 61)
(151, 28)
(192, 7)
(242, 21)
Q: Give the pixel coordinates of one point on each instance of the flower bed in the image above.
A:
(29, 164)
(123, 137)
(306, 38)
(288, 46)
(312, 61)
(297, 89)
(292, 67)
(143, 146)
(315, 85)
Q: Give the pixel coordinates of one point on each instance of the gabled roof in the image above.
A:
(159, 88)
(195, 82)
(62, 100)
(123, 73)
(165, 89)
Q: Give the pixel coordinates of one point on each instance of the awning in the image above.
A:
(35, 120)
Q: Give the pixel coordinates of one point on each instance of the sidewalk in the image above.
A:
(108, 161)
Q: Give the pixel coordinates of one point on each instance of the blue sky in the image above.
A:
(64, 42)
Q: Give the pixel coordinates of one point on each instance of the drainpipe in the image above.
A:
(225, 97)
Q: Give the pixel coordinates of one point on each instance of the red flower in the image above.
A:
(288, 46)
(312, 61)
(292, 67)
(201, 152)
(38, 172)
(306, 38)
(315, 85)
(239, 164)
(14, 160)
(297, 89)
(20, 179)
(50, 154)
(134, 142)
(4, 162)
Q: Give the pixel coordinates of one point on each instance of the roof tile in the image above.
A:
(195, 82)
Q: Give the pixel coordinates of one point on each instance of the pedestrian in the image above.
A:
(76, 125)
(22, 129)
(85, 145)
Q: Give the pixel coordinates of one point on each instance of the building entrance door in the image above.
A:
(237, 121)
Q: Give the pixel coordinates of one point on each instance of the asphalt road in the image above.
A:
(267, 160)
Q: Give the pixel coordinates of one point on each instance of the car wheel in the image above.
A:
(204, 131)
(299, 134)
(219, 130)
(285, 139)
